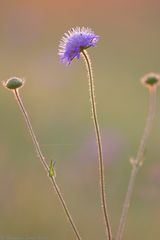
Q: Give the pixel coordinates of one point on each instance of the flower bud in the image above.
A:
(13, 83)
(151, 80)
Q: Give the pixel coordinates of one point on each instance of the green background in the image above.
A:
(57, 101)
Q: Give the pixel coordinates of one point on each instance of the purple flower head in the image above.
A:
(74, 42)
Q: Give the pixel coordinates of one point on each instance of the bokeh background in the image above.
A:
(57, 101)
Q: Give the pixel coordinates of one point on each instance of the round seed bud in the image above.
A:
(151, 80)
(13, 83)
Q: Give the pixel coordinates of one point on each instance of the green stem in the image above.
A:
(136, 163)
(99, 144)
(45, 165)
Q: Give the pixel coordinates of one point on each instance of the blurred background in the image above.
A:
(57, 101)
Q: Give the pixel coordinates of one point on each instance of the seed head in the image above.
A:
(151, 80)
(13, 83)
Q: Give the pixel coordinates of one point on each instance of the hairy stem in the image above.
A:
(44, 163)
(99, 144)
(137, 162)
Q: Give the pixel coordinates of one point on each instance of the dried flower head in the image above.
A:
(74, 42)
(151, 80)
(13, 83)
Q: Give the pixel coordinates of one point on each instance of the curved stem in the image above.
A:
(45, 165)
(137, 162)
(99, 144)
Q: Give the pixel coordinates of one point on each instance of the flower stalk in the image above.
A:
(151, 81)
(99, 143)
(14, 84)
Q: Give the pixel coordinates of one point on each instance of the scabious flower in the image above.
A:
(74, 42)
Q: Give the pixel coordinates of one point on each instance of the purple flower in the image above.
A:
(74, 42)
